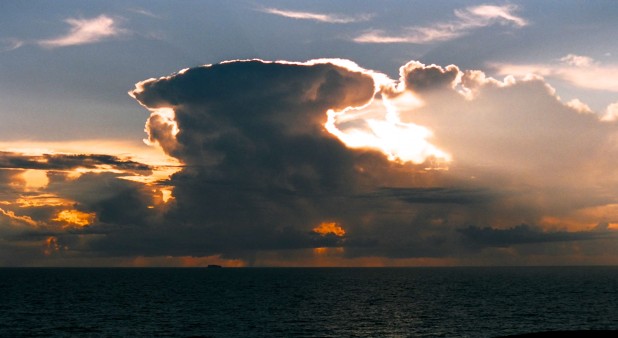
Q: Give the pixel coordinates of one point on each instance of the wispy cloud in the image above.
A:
(144, 12)
(320, 17)
(85, 31)
(9, 44)
(466, 20)
(489, 13)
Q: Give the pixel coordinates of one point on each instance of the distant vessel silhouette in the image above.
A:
(214, 266)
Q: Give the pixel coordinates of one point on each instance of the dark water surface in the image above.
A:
(332, 302)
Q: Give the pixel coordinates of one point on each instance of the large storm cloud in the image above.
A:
(287, 163)
(261, 170)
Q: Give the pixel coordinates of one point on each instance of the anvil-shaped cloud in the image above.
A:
(274, 148)
(327, 163)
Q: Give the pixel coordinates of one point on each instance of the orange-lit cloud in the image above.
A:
(135, 150)
(162, 195)
(329, 228)
(166, 194)
(42, 200)
(35, 179)
(20, 219)
(137, 161)
(51, 245)
(77, 218)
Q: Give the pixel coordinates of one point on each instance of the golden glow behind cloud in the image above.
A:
(163, 166)
(35, 179)
(378, 126)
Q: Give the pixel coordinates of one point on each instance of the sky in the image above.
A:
(308, 133)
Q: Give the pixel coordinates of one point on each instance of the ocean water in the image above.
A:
(299, 302)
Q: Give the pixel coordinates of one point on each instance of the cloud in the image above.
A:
(9, 160)
(611, 113)
(85, 31)
(70, 198)
(9, 44)
(320, 17)
(248, 132)
(578, 70)
(526, 234)
(145, 12)
(579, 106)
(466, 20)
(578, 60)
(493, 125)
(280, 165)
(490, 13)
(437, 195)
(21, 219)
(261, 172)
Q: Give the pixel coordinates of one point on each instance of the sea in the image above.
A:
(306, 302)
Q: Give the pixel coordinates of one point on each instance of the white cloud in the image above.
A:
(579, 106)
(467, 20)
(85, 31)
(321, 17)
(580, 71)
(611, 113)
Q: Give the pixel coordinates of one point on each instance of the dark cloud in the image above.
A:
(437, 195)
(10, 160)
(420, 78)
(31, 216)
(227, 104)
(525, 234)
(261, 171)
